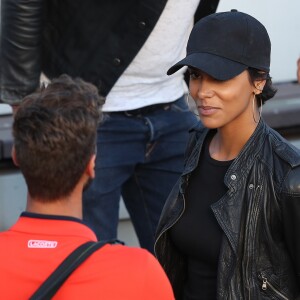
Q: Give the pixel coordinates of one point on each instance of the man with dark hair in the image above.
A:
(54, 146)
(55, 136)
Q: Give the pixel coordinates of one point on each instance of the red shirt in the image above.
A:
(37, 244)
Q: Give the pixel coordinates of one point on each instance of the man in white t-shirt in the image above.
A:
(124, 49)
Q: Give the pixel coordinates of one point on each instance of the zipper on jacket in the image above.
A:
(175, 221)
(255, 212)
(266, 284)
(172, 224)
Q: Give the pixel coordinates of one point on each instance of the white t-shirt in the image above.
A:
(145, 81)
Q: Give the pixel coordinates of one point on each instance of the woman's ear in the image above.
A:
(259, 86)
(14, 156)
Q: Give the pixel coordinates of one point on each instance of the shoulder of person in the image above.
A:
(119, 272)
(284, 149)
(291, 184)
(288, 164)
(141, 270)
(126, 257)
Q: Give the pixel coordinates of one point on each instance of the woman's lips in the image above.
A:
(207, 110)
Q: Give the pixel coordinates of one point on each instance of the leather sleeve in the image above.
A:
(291, 216)
(205, 8)
(20, 48)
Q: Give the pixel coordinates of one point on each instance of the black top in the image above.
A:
(197, 234)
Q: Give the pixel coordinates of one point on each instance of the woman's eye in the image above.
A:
(194, 75)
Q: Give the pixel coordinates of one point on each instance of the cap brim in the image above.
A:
(216, 66)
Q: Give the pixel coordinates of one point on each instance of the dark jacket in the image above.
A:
(94, 40)
(259, 215)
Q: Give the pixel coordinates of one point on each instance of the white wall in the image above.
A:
(5, 109)
(13, 194)
(282, 20)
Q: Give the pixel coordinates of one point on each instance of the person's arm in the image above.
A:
(20, 48)
(290, 205)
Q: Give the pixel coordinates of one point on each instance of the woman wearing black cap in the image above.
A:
(230, 228)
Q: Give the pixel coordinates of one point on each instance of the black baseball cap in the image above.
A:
(225, 44)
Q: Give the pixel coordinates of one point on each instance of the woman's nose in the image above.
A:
(204, 89)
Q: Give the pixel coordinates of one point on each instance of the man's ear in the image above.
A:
(90, 168)
(14, 156)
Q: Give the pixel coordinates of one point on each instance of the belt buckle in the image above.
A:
(126, 112)
(146, 109)
(132, 114)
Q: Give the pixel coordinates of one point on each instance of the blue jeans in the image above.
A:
(139, 157)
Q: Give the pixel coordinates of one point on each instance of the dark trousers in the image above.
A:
(140, 157)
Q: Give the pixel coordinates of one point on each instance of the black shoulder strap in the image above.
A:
(49, 287)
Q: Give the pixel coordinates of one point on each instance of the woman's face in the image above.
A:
(222, 103)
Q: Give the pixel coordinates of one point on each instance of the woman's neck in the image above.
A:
(227, 143)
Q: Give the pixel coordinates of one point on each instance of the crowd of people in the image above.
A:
(214, 198)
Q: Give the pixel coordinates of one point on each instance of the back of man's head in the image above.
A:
(55, 136)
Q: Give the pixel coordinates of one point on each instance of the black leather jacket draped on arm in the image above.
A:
(94, 40)
(21, 24)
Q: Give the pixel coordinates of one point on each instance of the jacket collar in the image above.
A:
(243, 162)
(230, 206)
(247, 154)
(39, 224)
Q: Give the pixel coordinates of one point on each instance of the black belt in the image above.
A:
(147, 109)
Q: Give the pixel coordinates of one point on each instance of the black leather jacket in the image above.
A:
(260, 217)
(95, 40)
